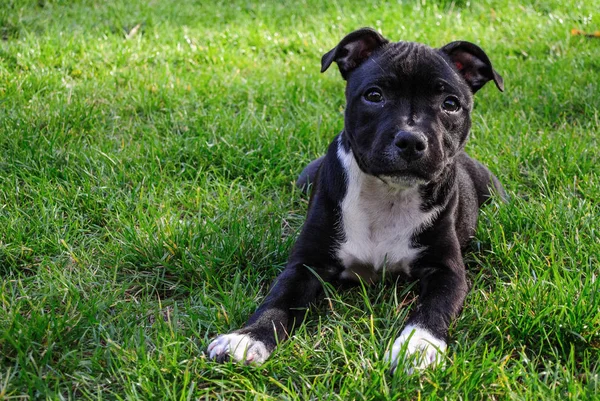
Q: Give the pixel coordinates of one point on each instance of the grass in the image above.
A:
(147, 155)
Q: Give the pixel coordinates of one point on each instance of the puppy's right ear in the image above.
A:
(473, 64)
(353, 50)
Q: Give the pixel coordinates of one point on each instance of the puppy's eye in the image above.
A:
(451, 104)
(373, 95)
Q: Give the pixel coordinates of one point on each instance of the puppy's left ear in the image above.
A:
(473, 64)
(353, 50)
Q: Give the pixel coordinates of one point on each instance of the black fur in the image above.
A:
(413, 136)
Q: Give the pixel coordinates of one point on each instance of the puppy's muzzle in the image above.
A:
(411, 146)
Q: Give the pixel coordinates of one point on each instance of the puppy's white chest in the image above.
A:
(378, 224)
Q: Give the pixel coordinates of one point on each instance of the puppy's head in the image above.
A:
(407, 105)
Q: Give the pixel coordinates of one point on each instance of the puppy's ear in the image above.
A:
(473, 64)
(355, 48)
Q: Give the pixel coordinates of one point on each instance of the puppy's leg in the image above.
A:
(295, 288)
(272, 322)
(422, 342)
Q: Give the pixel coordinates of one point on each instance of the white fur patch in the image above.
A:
(418, 348)
(379, 218)
(240, 347)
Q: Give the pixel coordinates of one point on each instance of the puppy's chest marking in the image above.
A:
(378, 223)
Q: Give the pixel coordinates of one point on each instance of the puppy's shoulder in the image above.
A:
(473, 174)
(331, 178)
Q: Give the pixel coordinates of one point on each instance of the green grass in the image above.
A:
(147, 155)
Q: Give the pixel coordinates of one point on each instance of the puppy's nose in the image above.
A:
(410, 145)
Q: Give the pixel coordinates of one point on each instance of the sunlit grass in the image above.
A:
(147, 157)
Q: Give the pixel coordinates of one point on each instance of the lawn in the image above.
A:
(147, 157)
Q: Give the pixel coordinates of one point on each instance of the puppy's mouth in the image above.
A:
(402, 180)
(396, 173)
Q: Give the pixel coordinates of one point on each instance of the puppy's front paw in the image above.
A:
(418, 348)
(240, 347)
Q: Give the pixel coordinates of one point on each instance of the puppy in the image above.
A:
(395, 191)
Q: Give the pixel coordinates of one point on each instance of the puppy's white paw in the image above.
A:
(240, 347)
(418, 348)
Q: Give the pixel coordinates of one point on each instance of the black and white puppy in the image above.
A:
(395, 191)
